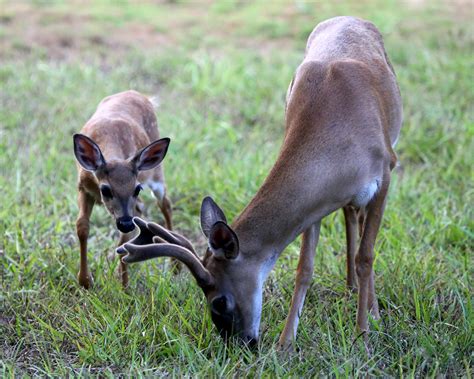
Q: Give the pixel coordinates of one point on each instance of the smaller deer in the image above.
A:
(117, 151)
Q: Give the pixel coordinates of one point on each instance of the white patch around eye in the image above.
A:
(158, 189)
(362, 198)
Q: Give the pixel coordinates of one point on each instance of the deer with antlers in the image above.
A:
(117, 151)
(343, 116)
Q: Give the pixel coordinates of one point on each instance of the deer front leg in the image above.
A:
(350, 216)
(372, 303)
(365, 256)
(159, 190)
(304, 274)
(122, 268)
(138, 211)
(86, 203)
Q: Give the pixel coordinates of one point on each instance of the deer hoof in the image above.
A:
(374, 312)
(352, 285)
(85, 280)
(286, 346)
(352, 288)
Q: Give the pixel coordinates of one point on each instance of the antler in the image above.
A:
(171, 237)
(145, 237)
(148, 230)
(155, 241)
(142, 253)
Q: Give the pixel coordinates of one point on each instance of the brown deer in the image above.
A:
(343, 116)
(117, 151)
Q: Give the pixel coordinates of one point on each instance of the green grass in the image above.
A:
(222, 92)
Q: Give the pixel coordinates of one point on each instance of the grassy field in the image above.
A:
(221, 70)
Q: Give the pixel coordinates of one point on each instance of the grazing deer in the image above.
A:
(117, 151)
(343, 116)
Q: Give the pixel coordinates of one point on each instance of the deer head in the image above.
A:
(232, 286)
(118, 178)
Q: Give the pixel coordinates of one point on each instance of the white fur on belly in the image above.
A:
(361, 199)
(395, 142)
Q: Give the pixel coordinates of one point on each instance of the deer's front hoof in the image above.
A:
(85, 280)
(352, 288)
(286, 346)
(122, 274)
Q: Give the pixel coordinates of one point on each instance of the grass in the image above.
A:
(222, 83)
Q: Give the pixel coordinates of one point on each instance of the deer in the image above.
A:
(343, 118)
(118, 151)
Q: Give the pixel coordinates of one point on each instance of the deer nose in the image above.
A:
(125, 224)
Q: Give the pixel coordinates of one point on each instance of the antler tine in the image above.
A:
(157, 239)
(171, 237)
(144, 236)
(138, 253)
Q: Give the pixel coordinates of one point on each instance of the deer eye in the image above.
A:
(137, 190)
(106, 192)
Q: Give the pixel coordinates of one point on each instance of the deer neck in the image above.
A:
(278, 213)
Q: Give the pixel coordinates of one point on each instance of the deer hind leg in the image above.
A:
(86, 204)
(365, 257)
(304, 274)
(159, 191)
(372, 304)
(165, 206)
(350, 216)
(164, 203)
(139, 208)
(361, 220)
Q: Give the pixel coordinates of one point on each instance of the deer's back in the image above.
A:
(346, 80)
(130, 106)
(123, 124)
(345, 37)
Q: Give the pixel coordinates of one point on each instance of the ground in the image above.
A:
(221, 70)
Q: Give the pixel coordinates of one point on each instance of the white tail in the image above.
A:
(155, 101)
(343, 115)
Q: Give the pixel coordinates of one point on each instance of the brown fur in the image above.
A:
(343, 115)
(122, 125)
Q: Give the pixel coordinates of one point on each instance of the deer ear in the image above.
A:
(210, 214)
(223, 241)
(152, 155)
(87, 153)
